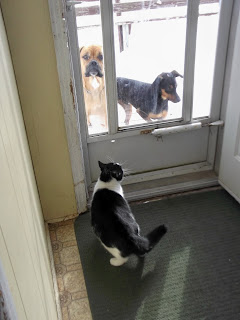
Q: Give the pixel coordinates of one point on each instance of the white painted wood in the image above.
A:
(219, 72)
(229, 173)
(70, 108)
(177, 129)
(76, 71)
(227, 77)
(143, 153)
(190, 49)
(129, 132)
(22, 231)
(167, 173)
(175, 184)
(146, 153)
(11, 281)
(147, 129)
(109, 64)
(172, 188)
(181, 182)
(220, 61)
(164, 173)
(212, 144)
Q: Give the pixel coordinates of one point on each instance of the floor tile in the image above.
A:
(70, 280)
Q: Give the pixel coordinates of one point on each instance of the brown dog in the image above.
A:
(91, 59)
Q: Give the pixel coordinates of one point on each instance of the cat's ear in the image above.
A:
(101, 165)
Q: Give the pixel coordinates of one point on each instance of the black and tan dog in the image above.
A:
(91, 58)
(150, 100)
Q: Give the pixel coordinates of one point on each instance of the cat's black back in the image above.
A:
(112, 219)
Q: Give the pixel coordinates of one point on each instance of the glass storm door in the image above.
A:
(121, 52)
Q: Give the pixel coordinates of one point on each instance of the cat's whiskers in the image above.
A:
(126, 171)
(110, 159)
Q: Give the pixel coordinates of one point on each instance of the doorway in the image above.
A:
(141, 40)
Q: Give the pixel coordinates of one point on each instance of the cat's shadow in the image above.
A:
(121, 290)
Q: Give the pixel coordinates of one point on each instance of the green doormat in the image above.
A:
(192, 274)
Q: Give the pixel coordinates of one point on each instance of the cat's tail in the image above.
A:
(145, 244)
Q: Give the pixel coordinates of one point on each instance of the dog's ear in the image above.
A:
(176, 74)
(101, 165)
(80, 49)
(155, 88)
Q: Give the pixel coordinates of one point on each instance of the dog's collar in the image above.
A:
(91, 92)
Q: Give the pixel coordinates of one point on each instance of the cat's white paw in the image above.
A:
(118, 262)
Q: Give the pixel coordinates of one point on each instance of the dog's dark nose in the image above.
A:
(94, 62)
(177, 99)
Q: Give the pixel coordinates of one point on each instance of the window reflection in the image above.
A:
(205, 57)
(89, 30)
(150, 41)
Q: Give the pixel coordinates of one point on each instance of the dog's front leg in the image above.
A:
(88, 116)
(128, 111)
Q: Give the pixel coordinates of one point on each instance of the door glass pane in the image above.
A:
(89, 31)
(205, 57)
(149, 41)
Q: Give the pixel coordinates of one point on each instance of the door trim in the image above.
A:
(77, 143)
(175, 184)
(172, 188)
(70, 109)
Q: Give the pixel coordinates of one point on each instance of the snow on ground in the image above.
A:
(156, 47)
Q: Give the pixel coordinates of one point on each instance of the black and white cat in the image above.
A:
(113, 221)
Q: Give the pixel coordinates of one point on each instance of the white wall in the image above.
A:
(23, 248)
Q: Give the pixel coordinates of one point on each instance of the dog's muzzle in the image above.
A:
(93, 69)
(174, 98)
(177, 99)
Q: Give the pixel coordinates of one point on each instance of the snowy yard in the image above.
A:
(159, 46)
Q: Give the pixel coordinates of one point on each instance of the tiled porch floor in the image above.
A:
(70, 280)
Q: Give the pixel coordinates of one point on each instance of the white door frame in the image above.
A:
(78, 143)
(229, 172)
